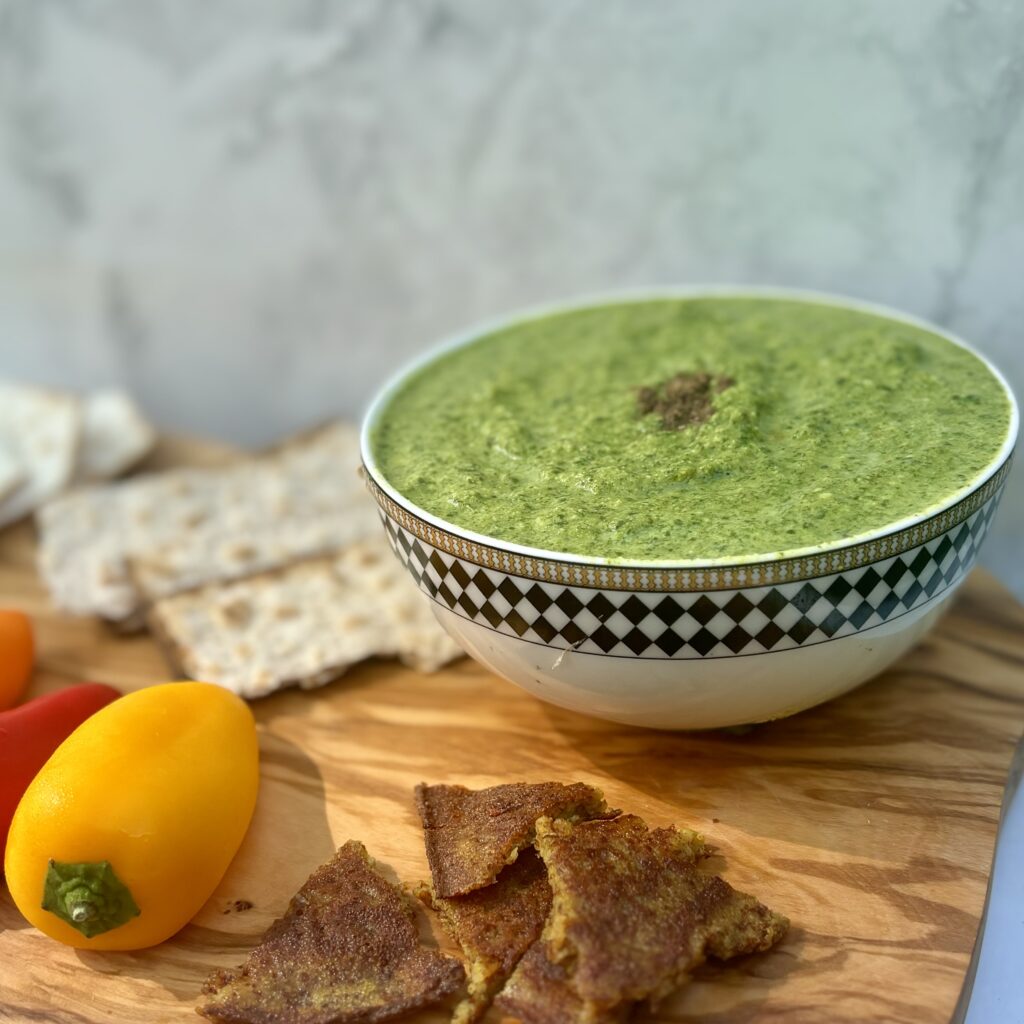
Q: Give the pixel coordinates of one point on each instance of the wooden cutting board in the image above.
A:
(869, 821)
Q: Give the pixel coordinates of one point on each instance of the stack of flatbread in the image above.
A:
(50, 441)
(270, 572)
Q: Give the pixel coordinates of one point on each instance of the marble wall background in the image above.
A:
(249, 211)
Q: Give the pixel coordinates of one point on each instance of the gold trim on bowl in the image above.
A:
(613, 576)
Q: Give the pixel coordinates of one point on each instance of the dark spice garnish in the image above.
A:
(684, 400)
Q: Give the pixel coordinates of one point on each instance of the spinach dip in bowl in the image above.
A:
(729, 468)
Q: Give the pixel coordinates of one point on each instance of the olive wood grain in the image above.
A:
(870, 821)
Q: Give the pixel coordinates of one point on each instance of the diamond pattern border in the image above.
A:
(645, 578)
(680, 624)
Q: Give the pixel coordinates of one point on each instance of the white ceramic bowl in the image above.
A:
(697, 644)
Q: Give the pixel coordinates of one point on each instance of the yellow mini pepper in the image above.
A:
(129, 827)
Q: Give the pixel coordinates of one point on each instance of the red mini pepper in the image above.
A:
(31, 732)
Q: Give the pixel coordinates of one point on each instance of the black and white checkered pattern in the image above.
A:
(722, 623)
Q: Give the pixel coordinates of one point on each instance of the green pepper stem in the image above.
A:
(88, 896)
(81, 911)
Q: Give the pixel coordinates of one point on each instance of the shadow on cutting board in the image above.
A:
(10, 917)
(288, 838)
(890, 749)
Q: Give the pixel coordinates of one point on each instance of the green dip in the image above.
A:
(823, 423)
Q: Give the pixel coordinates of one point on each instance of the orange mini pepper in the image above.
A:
(17, 654)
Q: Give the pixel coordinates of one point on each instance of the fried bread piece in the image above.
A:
(494, 927)
(632, 914)
(347, 949)
(470, 835)
(540, 991)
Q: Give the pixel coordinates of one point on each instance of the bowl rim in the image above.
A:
(654, 293)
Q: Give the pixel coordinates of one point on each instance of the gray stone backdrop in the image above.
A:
(250, 211)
